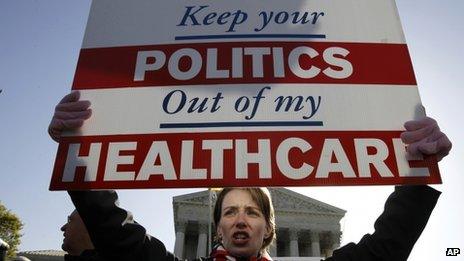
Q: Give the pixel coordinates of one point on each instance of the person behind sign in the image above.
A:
(244, 217)
(76, 240)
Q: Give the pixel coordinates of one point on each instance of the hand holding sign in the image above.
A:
(70, 114)
(425, 138)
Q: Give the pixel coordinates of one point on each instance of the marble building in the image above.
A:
(307, 229)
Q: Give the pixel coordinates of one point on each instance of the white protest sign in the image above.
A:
(243, 93)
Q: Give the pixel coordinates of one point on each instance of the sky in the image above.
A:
(39, 46)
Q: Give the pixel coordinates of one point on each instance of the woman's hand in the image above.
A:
(70, 114)
(424, 137)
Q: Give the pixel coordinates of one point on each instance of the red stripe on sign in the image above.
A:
(239, 63)
(237, 159)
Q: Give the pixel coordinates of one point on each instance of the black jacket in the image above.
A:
(405, 215)
(116, 236)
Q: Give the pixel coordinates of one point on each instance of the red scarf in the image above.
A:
(219, 253)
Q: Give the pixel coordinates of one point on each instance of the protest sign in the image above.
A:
(243, 93)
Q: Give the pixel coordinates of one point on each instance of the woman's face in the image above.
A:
(242, 226)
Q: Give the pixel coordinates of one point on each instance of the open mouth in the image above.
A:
(240, 237)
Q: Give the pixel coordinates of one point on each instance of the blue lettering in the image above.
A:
(266, 20)
(298, 105)
(188, 15)
(316, 16)
(297, 19)
(222, 18)
(239, 18)
(200, 108)
(244, 106)
(209, 18)
(257, 98)
(314, 106)
(195, 15)
(196, 104)
(167, 100)
(281, 17)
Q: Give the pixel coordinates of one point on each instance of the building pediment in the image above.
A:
(201, 197)
(284, 200)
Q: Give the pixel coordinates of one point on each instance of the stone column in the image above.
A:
(334, 242)
(181, 226)
(315, 245)
(294, 243)
(273, 246)
(202, 240)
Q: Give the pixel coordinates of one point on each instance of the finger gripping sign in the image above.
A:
(234, 93)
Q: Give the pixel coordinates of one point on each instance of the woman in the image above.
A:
(244, 217)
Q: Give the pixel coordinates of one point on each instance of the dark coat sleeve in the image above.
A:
(114, 233)
(405, 215)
